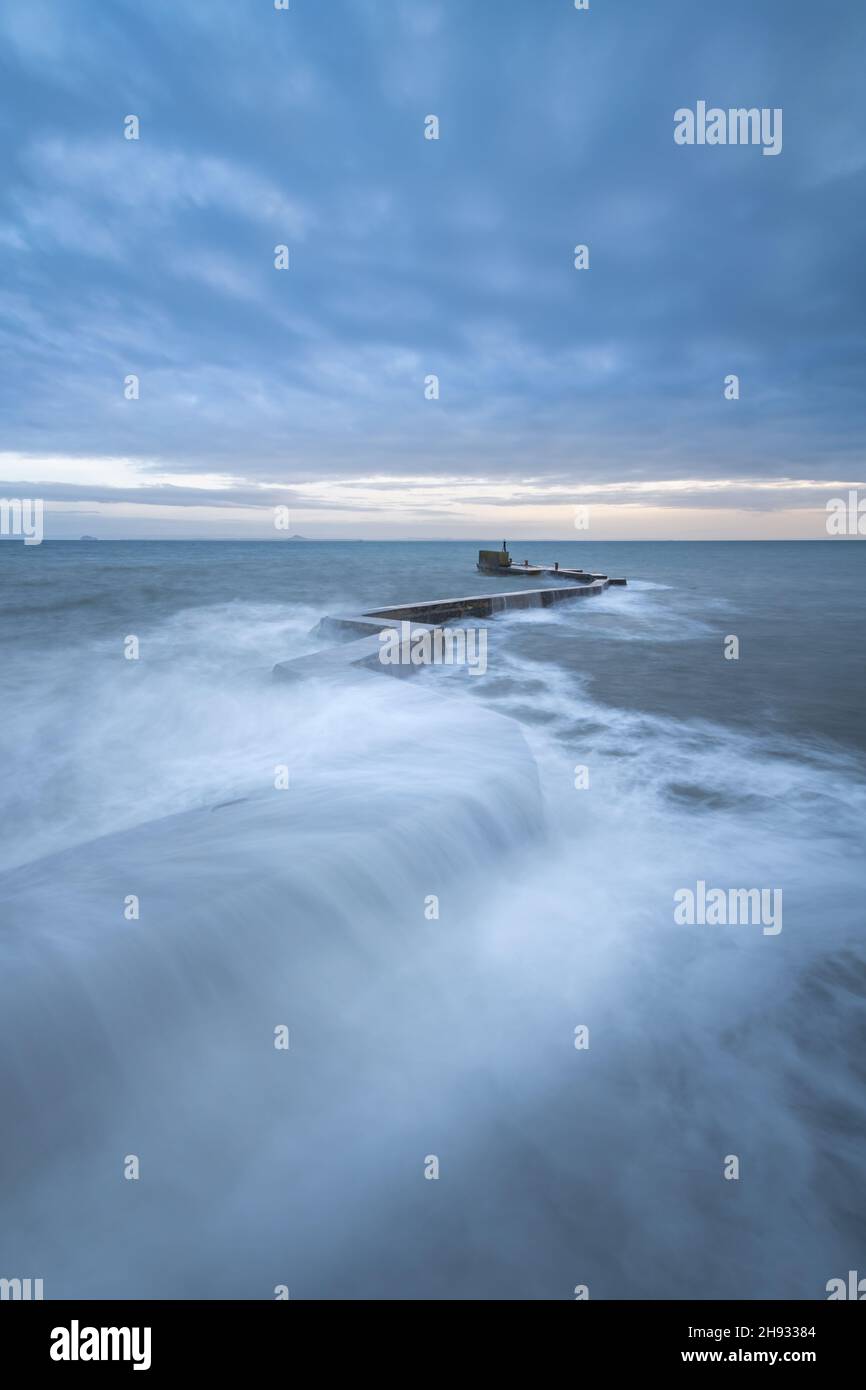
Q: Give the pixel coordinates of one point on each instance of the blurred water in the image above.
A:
(411, 1036)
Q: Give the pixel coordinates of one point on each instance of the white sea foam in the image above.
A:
(412, 1036)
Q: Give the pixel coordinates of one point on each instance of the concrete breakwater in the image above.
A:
(358, 636)
(500, 563)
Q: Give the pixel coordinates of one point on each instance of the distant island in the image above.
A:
(297, 538)
(88, 538)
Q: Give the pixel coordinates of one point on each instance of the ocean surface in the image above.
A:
(415, 1036)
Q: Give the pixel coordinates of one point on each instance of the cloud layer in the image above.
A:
(411, 257)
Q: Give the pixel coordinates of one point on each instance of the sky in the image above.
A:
(558, 389)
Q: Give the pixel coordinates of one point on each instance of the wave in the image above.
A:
(431, 907)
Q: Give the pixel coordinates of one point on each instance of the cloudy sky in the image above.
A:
(412, 257)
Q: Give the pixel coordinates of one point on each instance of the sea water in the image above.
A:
(456, 900)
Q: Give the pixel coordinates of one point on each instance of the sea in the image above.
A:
(357, 987)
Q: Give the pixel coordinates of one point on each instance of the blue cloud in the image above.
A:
(411, 257)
